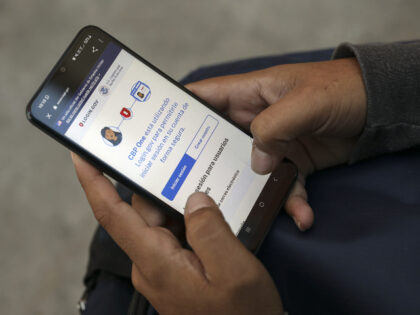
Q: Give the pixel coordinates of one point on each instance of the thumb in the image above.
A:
(210, 236)
(279, 124)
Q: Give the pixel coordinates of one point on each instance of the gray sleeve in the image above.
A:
(391, 74)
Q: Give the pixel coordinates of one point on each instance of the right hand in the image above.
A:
(311, 113)
(218, 276)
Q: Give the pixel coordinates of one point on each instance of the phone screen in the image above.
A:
(141, 124)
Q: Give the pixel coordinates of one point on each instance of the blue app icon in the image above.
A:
(140, 91)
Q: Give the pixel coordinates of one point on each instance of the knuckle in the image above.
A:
(161, 236)
(102, 216)
(106, 214)
(136, 279)
(262, 128)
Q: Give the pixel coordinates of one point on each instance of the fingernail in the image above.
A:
(298, 224)
(197, 201)
(261, 161)
(75, 158)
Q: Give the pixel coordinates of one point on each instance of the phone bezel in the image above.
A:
(251, 240)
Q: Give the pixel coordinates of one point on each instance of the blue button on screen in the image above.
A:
(178, 177)
(192, 154)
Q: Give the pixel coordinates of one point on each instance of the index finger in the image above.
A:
(230, 90)
(122, 222)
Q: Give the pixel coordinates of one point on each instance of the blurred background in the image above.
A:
(45, 221)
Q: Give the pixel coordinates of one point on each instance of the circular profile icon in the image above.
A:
(112, 136)
(103, 90)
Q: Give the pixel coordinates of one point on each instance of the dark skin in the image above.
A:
(311, 113)
(201, 281)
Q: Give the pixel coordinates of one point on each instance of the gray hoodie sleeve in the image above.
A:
(391, 74)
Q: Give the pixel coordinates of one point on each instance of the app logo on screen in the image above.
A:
(140, 91)
(112, 136)
(126, 113)
(104, 90)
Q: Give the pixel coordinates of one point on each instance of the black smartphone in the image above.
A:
(135, 123)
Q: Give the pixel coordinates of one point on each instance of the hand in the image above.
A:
(311, 113)
(220, 276)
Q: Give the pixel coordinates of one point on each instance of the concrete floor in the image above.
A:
(45, 222)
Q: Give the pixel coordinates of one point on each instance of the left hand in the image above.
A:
(312, 113)
(220, 276)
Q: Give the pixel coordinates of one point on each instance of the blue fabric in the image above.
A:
(112, 295)
(247, 65)
(362, 255)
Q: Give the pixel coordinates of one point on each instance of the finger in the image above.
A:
(150, 213)
(221, 92)
(155, 216)
(206, 90)
(156, 252)
(211, 237)
(121, 221)
(280, 123)
(298, 208)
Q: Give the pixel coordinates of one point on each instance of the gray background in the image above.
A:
(45, 222)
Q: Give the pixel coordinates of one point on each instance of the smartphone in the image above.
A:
(136, 124)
